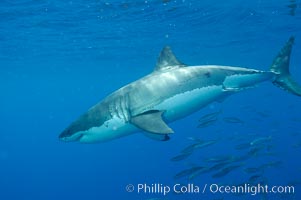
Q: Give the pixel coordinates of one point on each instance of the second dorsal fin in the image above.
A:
(167, 60)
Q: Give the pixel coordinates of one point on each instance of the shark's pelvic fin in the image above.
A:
(280, 66)
(167, 60)
(151, 121)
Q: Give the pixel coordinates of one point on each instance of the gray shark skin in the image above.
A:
(172, 91)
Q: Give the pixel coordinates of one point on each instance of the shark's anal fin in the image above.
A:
(158, 137)
(151, 121)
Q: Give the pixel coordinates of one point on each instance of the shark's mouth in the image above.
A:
(75, 137)
(79, 137)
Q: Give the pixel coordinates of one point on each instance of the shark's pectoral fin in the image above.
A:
(155, 136)
(151, 121)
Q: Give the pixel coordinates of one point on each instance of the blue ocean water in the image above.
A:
(59, 58)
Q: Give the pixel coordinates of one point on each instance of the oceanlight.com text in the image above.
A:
(190, 188)
(251, 189)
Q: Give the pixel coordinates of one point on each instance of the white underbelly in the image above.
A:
(175, 108)
(111, 129)
(183, 104)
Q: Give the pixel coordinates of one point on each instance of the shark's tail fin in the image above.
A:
(280, 67)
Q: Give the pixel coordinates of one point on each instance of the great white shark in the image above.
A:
(172, 91)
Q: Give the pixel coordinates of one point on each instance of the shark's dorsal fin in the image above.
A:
(152, 122)
(167, 60)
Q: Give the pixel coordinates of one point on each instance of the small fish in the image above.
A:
(273, 164)
(210, 116)
(243, 146)
(205, 144)
(254, 178)
(292, 6)
(295, 133)
(297, 145)
(181, 156)
(195, 139)
(187, 172)
(218, 159)
(260, 140)
(225, 171)
(198, 145)
(242, 158)
(218, 166)
(207, 123)
(296, 119)
(233, 120)
(249, 108)
(262, 114)
(255, 150)
(252, 170)
(190, 148)
(197, 172)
